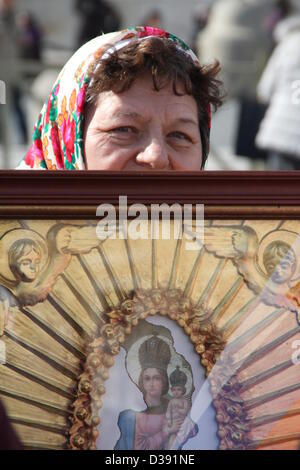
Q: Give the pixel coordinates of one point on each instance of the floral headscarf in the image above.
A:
(58, 133)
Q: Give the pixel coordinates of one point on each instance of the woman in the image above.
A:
(132, 100)
(279, 87)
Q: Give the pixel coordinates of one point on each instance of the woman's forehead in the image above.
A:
(142, 96)
(145, 81)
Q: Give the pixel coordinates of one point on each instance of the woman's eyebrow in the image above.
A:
(128, 114)
(139, 117)
(185, 120)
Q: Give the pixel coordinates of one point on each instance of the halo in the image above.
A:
(134, 368)
(9, 239)
(287, 236)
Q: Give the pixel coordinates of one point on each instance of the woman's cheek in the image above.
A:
(122, 157)
(114, 158)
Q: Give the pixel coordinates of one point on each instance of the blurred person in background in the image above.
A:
(96, 17)
(20, 41)
(7, 10)
(8, 46)
(153, 18)
(237, 36)
(199, 21)
(281, 10)
(9, 53)
(29, 37)
(279, 87)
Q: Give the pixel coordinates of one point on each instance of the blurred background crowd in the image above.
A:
(256, 41)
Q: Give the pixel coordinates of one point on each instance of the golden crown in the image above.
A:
(154, 353)
(178, 377)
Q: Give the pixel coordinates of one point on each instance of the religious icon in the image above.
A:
(30, 263)
(270, 267)
(165, 380)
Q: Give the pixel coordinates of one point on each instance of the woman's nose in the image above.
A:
(154, 154)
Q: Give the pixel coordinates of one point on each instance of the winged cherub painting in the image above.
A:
(30, 263)
(269, 267)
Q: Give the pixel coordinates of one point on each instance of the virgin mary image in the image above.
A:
(149, 429)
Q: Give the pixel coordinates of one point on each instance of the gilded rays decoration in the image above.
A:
(69, 305)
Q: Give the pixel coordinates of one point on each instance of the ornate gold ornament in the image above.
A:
(60, 346)
(207, 340)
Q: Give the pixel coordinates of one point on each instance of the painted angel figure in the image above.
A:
(30, 264)
(270, 266)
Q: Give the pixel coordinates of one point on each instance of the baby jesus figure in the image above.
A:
(177, 412)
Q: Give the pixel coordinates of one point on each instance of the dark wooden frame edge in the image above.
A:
(48, 194)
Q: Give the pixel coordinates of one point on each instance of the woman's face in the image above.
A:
(152, 383)
(142, 129)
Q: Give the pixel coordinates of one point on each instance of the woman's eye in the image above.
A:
(125, 130)
(180, 136)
